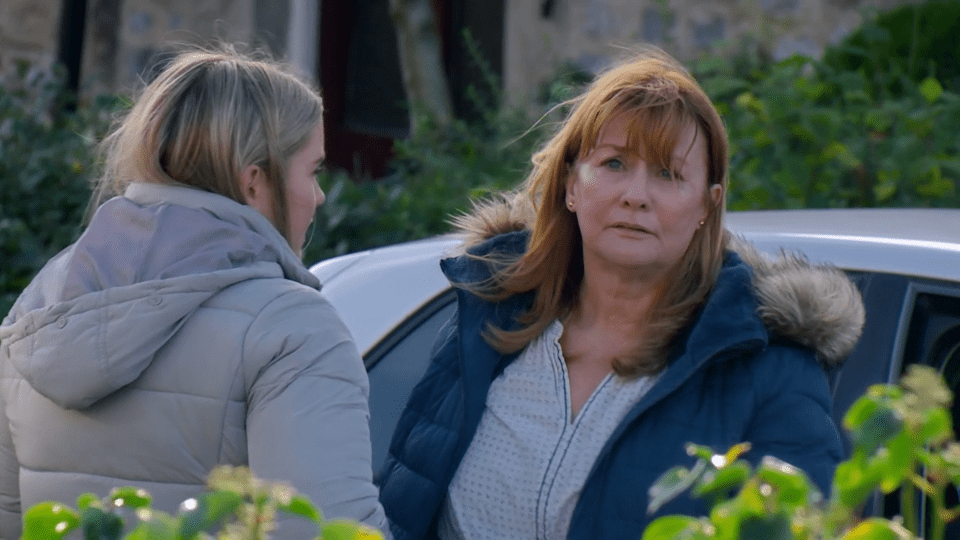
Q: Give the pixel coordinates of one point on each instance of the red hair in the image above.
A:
(663, 99)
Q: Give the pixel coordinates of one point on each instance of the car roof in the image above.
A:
(400, 278)
(914, 242)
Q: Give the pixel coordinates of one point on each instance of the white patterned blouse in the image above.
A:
(523, 472)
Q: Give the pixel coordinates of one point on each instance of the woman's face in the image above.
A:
(303, 193)
(634, 215)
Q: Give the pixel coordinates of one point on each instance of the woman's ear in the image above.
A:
(716, 197)
(716, 194)
(256, 191)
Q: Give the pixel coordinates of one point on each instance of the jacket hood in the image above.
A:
(814, 305)
(97, 313)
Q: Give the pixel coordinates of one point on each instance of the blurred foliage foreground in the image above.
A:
(903, 443)
(237, 506)
(873, 123)
(903, 440)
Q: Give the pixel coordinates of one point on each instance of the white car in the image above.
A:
(906, 263)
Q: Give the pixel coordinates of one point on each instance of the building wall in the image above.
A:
(28, 31)
(543, 35)
(149, 28)
(539, 35)
(146, 29)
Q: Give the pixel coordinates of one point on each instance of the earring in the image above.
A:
(570, 204)
(701, 222)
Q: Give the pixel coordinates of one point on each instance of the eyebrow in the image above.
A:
(613, 146)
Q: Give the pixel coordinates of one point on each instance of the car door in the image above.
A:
(929, 334)
(909, 321)
(396, 364)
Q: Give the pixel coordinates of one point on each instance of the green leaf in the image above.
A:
(896, 464)
(878, 529)
(876, 430)
(767, 527)
(672, 527)
(723, 480)
(931, 89)
(49, 520)
(735, 452)
(348, 530)
(155, 525)
(840, 152)
(301, 506)
(878, 120)
(97, 523)
(672, 483)
(129, 497)
(751, 500)
(206, 511)
(937, 428)
(87, 500)
(853, 481)
(884, 191)
(699, 451)
(791, 484)
(936, 186)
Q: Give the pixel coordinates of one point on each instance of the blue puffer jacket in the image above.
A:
(732, 377)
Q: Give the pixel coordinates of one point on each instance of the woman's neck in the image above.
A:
(614, 302)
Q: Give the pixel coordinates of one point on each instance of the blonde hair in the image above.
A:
(207, 116)
(663, 99)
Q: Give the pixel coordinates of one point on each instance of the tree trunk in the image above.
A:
(418, 41)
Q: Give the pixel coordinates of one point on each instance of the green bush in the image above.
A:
(47, 159)
(434, 175)
(903, 439)
(807, 134)
(236, 506)
(908, 43)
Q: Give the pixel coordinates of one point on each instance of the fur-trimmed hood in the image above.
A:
(813, 304)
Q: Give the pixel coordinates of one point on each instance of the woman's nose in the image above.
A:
(635, 191)
(320, 196)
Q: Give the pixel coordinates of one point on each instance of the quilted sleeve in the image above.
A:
(792, 418)
(10, 518)
(307, 417)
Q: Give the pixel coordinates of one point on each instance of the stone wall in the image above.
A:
(149, 28)
(28, 31)
(146, 29)
(539, 35)
(542, 35)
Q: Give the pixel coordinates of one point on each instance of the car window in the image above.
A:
(396, 365)
(931, 336)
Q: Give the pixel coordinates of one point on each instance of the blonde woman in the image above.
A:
(605, 320)
(182, 331)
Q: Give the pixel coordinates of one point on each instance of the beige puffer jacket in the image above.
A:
(178, 333)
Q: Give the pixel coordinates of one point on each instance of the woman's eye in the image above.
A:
(613, 164)
(667, 174)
